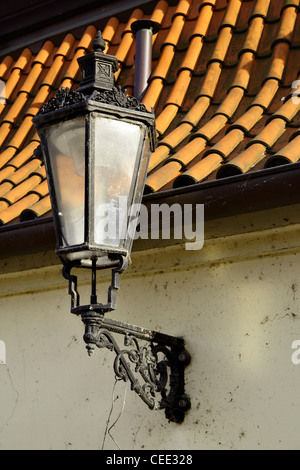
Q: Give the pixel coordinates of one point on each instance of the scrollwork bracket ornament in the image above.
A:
(153, 363)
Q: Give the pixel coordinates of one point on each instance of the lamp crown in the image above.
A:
(97, 68)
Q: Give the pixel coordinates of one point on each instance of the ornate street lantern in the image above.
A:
(96, 142)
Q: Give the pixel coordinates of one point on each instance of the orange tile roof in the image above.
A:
(222, 86)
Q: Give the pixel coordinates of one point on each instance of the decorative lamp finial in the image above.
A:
(99, 43)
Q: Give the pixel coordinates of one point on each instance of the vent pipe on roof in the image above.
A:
(143, 30)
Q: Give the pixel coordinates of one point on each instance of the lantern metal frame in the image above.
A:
(67, 105)
(152, 362)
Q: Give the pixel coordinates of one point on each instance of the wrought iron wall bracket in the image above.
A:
(153, 363)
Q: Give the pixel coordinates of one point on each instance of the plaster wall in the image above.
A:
(236, 303)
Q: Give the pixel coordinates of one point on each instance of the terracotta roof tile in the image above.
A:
(21, 174)
(243, 71)
(222, 85)
(25, 155)
(260, 9)
(199, 171)
(231, 101)
(197, 111)
(5, 66)
(266, 93)
(164, 63)
(6, 172)
(280, 55)
(211, 79)
(191, 58)
(222, 45)
(231, 13)
(287, 111)
(203, 20)
(189, 151)
(42, 187)
(288, 154)
(289, 16)
(248, 119)
(43, 206)
(271, 132)
(243, 162)
(160, 178)
(110, 30)
(22, 189)
(159, 11)
(12, 212)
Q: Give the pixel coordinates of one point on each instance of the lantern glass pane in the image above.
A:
(118, 146)
(66, 147)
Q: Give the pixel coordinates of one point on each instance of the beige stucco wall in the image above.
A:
(236, 303)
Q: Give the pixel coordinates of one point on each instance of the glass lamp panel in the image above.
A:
(118, 145)
(66, 147)
(134, 219)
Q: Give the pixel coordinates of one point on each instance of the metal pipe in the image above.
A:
(143, 30)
